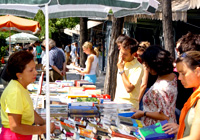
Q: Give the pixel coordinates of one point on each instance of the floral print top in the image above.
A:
(161, 97)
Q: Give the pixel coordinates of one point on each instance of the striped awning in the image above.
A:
(179, 11)
(79, 8)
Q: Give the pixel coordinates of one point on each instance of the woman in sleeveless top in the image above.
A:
(91, 63)
(188, 67)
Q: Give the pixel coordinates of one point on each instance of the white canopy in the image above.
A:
(22, 38)
(76, 29)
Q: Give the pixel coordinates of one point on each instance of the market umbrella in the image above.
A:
(78, 8)
(74, 8)
(22, 38)
(9, 22)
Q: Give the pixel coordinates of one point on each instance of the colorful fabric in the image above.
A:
(190, 102)
(7, 134)
(16, 100)
(134, 71)
(161, 97)
(38, 51)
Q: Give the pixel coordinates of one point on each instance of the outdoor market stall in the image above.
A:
(75, 8)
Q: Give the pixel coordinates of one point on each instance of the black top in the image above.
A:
(4, 74)
(151, 80)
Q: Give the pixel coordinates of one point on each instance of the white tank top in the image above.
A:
(93, 66)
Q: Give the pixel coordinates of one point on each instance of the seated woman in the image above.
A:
(188, 67)
(91, 63)
(17, 113)
(159, 101)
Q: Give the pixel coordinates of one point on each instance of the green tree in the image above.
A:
(55, 25)
(41, 19)
(4, 35)
(3, 44)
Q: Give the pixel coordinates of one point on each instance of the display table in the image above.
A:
(77, 126)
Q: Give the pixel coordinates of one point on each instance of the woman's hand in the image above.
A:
(138, 114)
(79, 71)
(170, 128)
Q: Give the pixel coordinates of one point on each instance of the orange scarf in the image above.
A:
(190, 102)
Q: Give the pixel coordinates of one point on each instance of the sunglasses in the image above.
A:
(184, 55)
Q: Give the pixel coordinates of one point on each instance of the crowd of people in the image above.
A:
(148, 78)
(59, 58)
(142, 64)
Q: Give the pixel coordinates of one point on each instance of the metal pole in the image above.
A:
(10, 49)
(47, 73)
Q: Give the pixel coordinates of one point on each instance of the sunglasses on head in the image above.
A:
(184, 55)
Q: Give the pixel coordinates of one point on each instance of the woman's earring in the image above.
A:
(20, 78)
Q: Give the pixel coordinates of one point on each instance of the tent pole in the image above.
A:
(10, 49)
(47, 73)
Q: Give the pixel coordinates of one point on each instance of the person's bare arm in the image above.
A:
(56, 69)
(144, 83)
(76, 53)
(127, 84)
(152, 115)
(17, 127)
(64, 69)
(38, 119)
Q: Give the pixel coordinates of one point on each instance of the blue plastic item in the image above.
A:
(126, 114)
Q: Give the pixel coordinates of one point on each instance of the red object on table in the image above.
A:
(103, 96)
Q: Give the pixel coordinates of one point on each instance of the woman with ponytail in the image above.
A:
(91, 63)
(188, 67)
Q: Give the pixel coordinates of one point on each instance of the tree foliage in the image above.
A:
(55, 25)
(3, 44)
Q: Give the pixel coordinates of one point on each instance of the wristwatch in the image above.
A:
(121, 72)
(145, 113)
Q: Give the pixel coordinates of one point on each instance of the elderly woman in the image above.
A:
(159, 101)
(188, 67)
(91, 63)
(17, 113)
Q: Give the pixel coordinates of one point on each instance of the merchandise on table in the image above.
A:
(154, 131)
